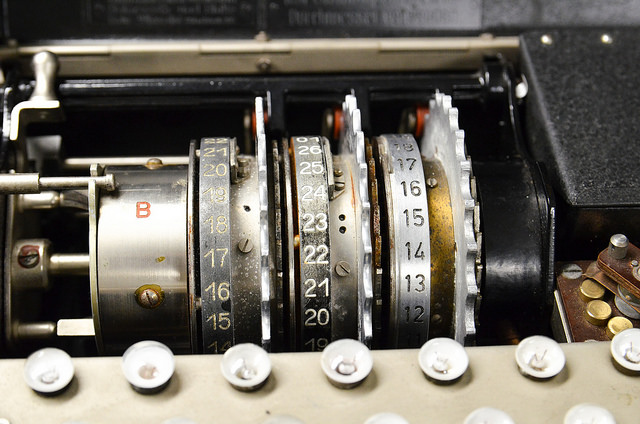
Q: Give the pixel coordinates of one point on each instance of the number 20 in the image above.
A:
(319, 317)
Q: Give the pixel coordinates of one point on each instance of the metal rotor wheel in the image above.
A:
(443, 142)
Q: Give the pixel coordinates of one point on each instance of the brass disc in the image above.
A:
(617, 325)
(598, 312)
(591, 290)
(443, 247)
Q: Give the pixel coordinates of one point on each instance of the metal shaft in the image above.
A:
(33, 183)
(69, 264)
(82, 164)
(35, 330)
(42, 200)
(64, 183)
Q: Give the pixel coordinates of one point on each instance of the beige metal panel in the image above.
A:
(297, 386)
(273, 56)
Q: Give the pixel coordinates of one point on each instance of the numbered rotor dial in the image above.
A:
(312, 193)
(295, 247)
(215, 245)
(410, 260)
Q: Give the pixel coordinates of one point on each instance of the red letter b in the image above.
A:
(143, 209)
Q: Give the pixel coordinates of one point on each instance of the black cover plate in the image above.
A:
(582, 114)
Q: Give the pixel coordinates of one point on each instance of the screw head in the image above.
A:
(432, 182)
(29, 256)
(154, 163)
(571, 271)
(245, 245)
(263, 64)
(343, 268)
(150, 296)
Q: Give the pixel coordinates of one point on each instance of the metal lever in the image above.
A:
(45, 66)
(43, 106)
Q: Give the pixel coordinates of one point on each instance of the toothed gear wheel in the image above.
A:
(444, 141)
(263, 194)
(352, 145)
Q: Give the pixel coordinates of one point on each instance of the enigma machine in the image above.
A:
(301, 211)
